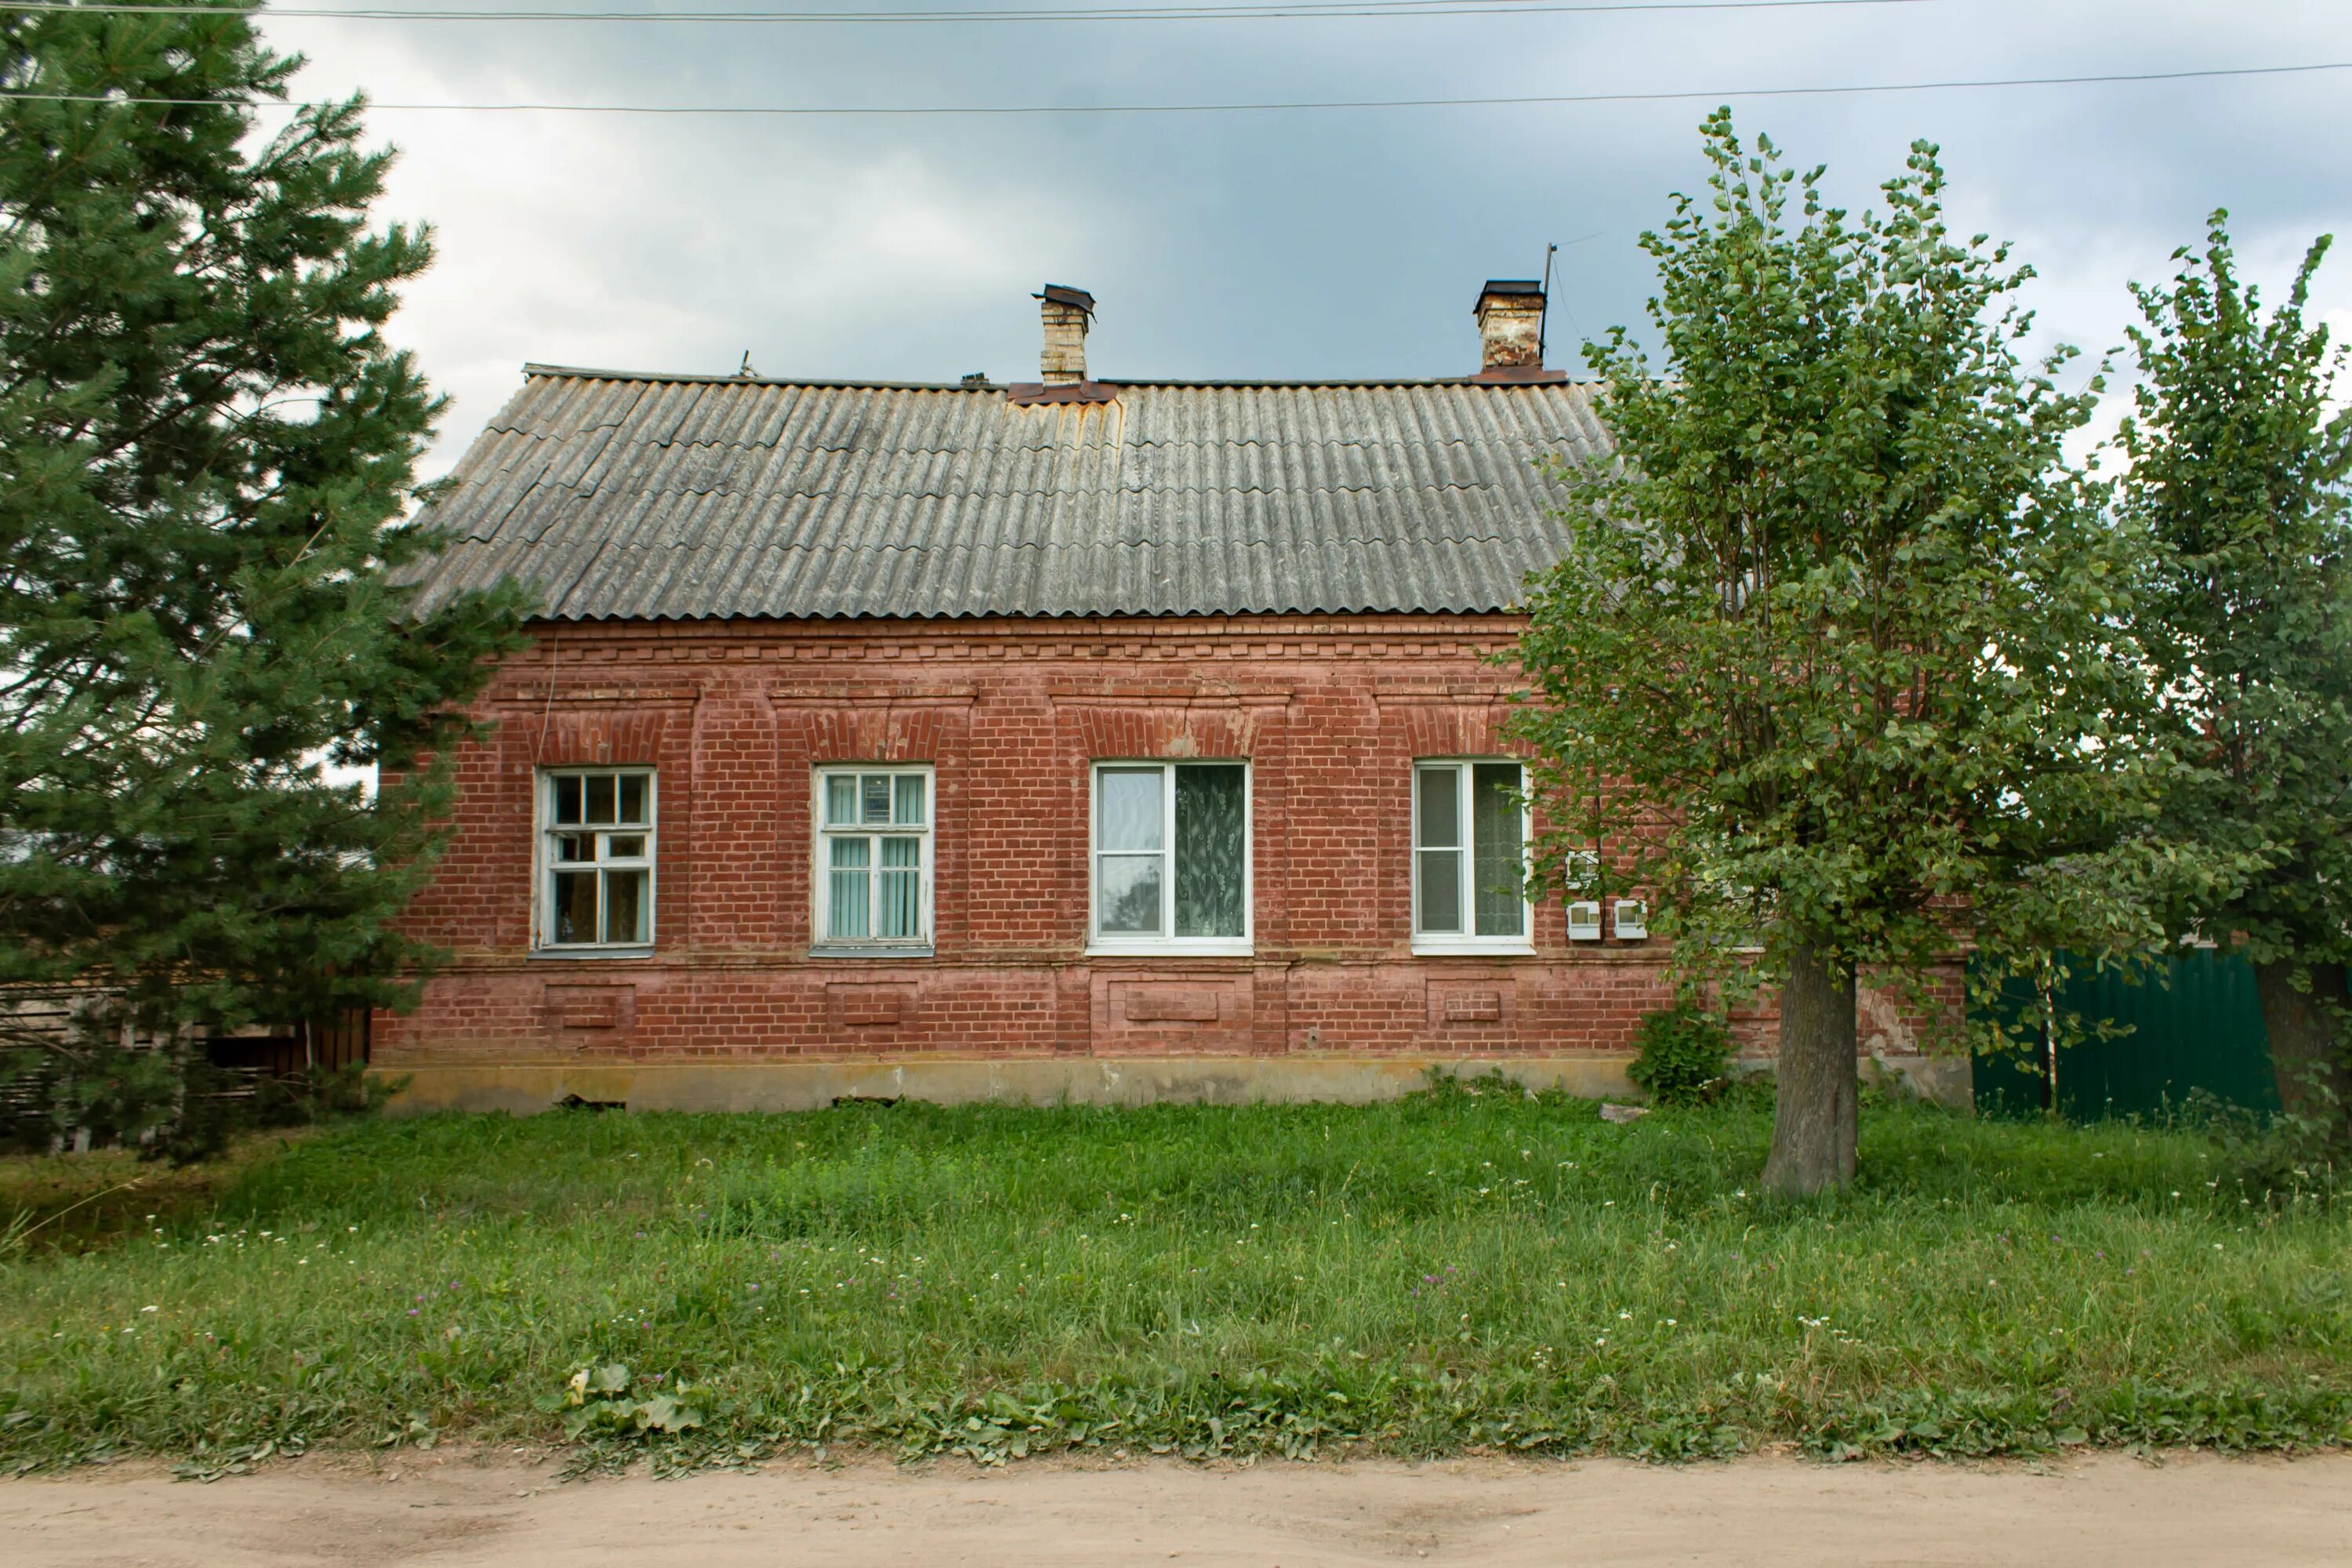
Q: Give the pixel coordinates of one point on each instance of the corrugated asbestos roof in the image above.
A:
(649, 497)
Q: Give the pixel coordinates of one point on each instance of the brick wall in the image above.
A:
(1330, 712)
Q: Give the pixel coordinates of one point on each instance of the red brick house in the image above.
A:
(1097, 739)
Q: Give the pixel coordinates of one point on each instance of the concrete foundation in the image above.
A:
(522, 1089)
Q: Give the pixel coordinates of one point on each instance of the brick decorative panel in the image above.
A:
(856, 1006)
(603, 1008)
(1451, 1003)
(1206, 1014)
(1169, 1005)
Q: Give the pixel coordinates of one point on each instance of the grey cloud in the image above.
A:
(1337, 244)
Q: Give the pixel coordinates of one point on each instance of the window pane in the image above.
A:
(567, 799)
(575, 846)
(1441, 891)
(626, 907)
(625, 846)
(874, 789)
(851, 890)
(1208, 847)
(1498, 856)
(1127, 808)
(600, 797)
(1437, 825)
(909, 811)
(902, 885)
(840, 800)
(574, 915)
(1126, 895)
(633, 799)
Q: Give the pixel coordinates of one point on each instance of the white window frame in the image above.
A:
(545, 865)
(1165, 944)
(1441, 942)
(822, 834)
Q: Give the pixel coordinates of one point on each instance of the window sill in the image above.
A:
(560, 954)
(1199, 948)
(1504, 949)
(865, 950)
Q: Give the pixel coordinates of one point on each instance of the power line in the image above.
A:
(1282, 10)
(930, 111)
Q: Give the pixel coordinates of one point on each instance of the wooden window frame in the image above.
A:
(1466, 942)
(1164, 943)
(824, 833)
(547, 864)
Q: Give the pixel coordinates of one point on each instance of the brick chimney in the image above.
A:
(1067, 312)
(1510, 324)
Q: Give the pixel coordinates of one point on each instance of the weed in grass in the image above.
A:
(1461, 1269)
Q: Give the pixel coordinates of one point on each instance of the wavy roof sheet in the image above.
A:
(649, 497)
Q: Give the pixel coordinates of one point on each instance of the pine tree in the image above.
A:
(207, 454)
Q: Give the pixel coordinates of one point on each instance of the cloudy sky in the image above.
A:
(1345, 243)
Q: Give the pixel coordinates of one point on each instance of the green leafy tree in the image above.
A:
(2237, 472)
(1832, 664)
(206, 452)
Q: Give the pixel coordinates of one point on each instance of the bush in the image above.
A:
(1686, 1056)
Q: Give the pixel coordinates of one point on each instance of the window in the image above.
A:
(874, 858)
(1469, 855)
(597, 846)
(1172, 868)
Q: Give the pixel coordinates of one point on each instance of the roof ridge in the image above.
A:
(689, 378)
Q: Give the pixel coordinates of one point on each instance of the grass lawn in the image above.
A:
(1467, 1268)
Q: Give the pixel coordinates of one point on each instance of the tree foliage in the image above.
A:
(1832, 663)
(206, 454)
(2237, 476)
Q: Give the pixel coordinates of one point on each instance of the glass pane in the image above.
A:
(1497, 856)
(567, 800)
(902, 886)
(875, 792)
(1209, 851)
(628, 910)
(632, 801)
(575, 846)
(599, 787)
(909, 810)
(625, 846)
(851, 890)
(574, 915)
(1437, 824)
(1126, 895)
(1441, 891)
(1127, 808)
(840, 800)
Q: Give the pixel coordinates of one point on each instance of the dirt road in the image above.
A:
(452, 1511)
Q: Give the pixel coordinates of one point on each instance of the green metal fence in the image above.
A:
(2193, 1024)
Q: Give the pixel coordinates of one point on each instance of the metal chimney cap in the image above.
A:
(1062, 294)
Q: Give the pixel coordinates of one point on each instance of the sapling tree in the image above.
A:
(1832, 664)
(206, 454)
(2238, 468)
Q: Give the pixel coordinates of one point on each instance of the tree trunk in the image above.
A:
(1815, 1124)
(2312, 1078)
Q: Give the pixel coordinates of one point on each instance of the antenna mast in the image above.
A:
(1543, 318)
